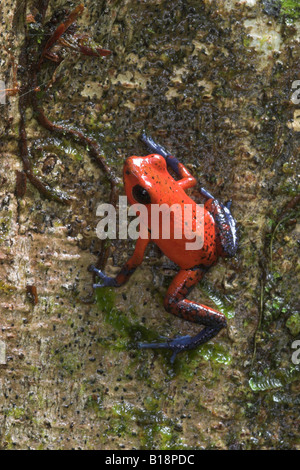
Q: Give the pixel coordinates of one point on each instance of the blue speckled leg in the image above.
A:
(172, 162)
(206, 194)
(154, 146)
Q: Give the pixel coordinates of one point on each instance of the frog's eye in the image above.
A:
(141, 194)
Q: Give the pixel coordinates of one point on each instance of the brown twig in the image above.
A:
(29, 97)
(60, 30)
(85, 141)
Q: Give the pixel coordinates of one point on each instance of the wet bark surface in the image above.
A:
(215, 83)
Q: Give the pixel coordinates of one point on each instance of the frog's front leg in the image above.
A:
(176, 303)
(126, 271)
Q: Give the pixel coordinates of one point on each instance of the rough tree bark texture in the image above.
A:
(213, 82)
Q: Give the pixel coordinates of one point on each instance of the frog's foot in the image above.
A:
(183, 343)
(106, 280)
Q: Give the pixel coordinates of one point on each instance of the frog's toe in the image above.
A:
(106, 282)
(152, 345)
(95, 286)
(93, 269)
(206, 193)
(168, 343)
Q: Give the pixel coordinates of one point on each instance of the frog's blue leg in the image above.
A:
(176, 303)
(186, 180)
(154, 147)
(206, 194)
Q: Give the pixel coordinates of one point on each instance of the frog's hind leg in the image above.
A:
(176, 303)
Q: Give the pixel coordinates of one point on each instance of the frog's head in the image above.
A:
(142, 178)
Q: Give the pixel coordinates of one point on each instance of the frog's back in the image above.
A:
(184, 231)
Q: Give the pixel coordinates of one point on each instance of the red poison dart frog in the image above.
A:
(148, 181)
